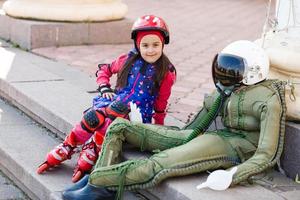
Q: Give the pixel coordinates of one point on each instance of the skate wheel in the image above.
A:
(77, 176)
(42, 168)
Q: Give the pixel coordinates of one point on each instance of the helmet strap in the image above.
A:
(226, 90)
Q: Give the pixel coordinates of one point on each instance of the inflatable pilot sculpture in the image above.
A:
(253, 114)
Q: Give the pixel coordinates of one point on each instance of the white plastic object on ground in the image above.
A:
(218, 180)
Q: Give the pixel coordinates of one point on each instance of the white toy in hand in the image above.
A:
(218, 180)
(135, 113)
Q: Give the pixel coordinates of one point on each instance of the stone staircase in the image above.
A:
(53, 94)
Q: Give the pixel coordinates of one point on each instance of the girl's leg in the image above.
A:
(92, 119)
(91, 149)
(90, 152)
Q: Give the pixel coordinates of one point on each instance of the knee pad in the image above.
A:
(92, 119)
(117, 109)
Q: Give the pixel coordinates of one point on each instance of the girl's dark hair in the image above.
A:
(162, 66)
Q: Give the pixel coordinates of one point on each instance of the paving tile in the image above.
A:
(198, 30)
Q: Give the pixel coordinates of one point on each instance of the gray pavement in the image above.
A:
(9, 191)
(198, 30)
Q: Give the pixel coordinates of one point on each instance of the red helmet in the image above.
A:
(150, 22)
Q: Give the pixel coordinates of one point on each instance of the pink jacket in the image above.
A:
(161, 102)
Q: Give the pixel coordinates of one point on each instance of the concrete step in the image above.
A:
(55, 94)
(30, 34)
(9, 190)
(291, 153)
(23, 146)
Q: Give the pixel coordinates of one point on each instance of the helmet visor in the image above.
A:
(228, 69)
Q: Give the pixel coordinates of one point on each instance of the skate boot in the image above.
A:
(88, 156)
(59, 154)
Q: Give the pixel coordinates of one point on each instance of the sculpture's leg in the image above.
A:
(145, 136)
(202, 153)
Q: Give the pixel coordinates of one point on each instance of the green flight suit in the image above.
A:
(252, 140)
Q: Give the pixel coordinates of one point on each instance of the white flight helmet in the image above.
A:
(255, 59)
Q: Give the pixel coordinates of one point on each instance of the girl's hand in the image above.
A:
(108, 95)
(106, 92)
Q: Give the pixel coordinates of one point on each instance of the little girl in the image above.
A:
(144, 76)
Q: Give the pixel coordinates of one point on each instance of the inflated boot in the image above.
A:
(59, 154)
(80, 184)
(89, 192)
(88, 156)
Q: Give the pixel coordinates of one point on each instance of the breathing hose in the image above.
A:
(208, 118)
